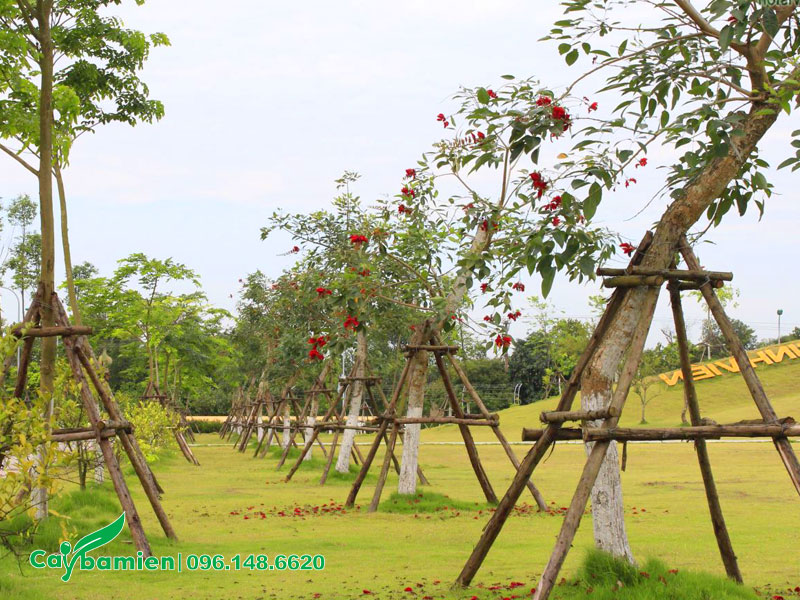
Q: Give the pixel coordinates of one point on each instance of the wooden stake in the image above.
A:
(782, 444)
(714, 506)
(387, 461)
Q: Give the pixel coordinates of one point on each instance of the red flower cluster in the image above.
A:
(485, 225)
(364, 272)
(411, 173)
(467, 207)
(295, 249)
(357, 240)
(487, 318)
(554, 203)
(492, 93)
(519, 287)
(408, 192)
(539, 184)
(502, 341)
(556, 221)
(323, 292)
(543, 101)
(440, 117)
(484, 287)
(629, 181)
(403, 209)
(515, 315)
(593, 106)
(642, 162)
(351, 323)
(317, 342)
(627, 248)
(560, 114)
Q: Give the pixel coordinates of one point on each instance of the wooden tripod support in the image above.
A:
(82, 363)
(390, 418)
(607, 431)
(152, 392)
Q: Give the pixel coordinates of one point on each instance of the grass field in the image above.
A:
(217, 509)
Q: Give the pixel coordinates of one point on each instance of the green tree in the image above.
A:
(24, 260)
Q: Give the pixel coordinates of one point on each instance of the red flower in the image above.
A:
(351, 322)
(315, 354)
(481, 135)
(491, 93)
(408, 589)
(502, 341)
(519, 287)
(357, 240)
(467, 207)
(408, 192)
(627, 248)
(295, 249)
(484, 287)
(641, 163)
(539, 184)
(629, 181)
(543, 101)
(484, 225)
(365, 273)
(487, 318)
(593, 106)
(323, 292)
(560, 114)
(514, 315)
(365, 592)
(440, 117)
(402, 209)
(733, 20)
(556, 221)
(411, 173)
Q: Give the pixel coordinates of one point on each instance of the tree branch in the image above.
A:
(19, 159)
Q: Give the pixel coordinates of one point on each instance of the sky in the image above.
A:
(267, 103)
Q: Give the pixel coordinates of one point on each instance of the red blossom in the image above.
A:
(481, 135)
(539, 184)
(502, 341)
(514, 315)
(408, 192)
(411, 173)
(484, 225)
(559, 113)
(627, 248)
(467, 207)
(487, 318)
(357, 239)
(593, 106)
(491, 93)
(733, 20)
(629, 181)
(543, 101)
(519, 287)
(484, 287)
(440, 117)
(402, 209)
(351, 322)
(642, 162)
(323, 291)
(366, 592)
(315, 354)
(295, 249)
(556, 221)
(365, 273)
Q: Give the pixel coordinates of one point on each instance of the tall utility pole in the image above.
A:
(780, 312)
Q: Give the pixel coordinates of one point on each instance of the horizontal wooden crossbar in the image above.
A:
(700, 432)
(680, 275)
(556, 416)
(430, 348)
(42, 332)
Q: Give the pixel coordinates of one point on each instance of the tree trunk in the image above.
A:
(356, 398)
(407, 483)
(287, 423)
(62, 200)
(597, 380)
(311, 419)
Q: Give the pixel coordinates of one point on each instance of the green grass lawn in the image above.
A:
(423, 544)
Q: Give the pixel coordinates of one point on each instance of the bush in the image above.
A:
(204, 426)
(153, 426)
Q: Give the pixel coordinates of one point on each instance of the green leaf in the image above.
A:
(483, 96)
(770, 22)
(548, 275)
(592, 200)
(572, 57)
(564, 48)
(725, 37)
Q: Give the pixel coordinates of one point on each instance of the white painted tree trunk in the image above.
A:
(407, 483)
(349, 435)
(39, 497)
(287, 423)
(259, 430)
(99, 463)
(608, 511)
(311, 419)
